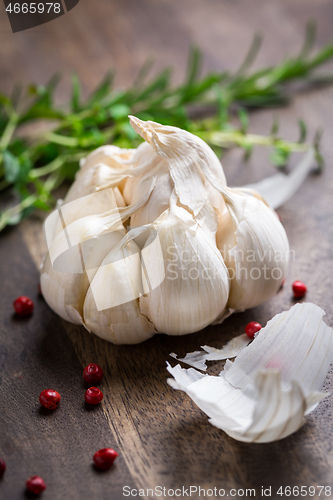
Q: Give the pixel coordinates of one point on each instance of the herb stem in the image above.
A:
(226, 139)
(9, 131)
(47, 169)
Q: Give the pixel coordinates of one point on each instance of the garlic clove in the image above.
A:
(112, 156)
(65, 282)
(63, 292)
(111, 306)
(94, 179)
(255, 248)
(76, 251)
(196, 284)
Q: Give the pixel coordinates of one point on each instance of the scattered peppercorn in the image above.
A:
(23, 306)
(104, 458)
(252, 328)
(49, 399)
(93, 396)
(299, 289)
(93, 373)
(35, 484)
(2, 467)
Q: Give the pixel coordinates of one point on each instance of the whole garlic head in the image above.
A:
(193, 248)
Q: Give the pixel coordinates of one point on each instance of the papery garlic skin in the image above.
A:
(230, 350)
(273, 383)
(174, 156)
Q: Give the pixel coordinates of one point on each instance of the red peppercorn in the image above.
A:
(2, 467)
(104, 458)
(93, 396)
(93, 373)
(49, 399)
(299, 289)
(252, 328)
(35, 484)
(23, 305)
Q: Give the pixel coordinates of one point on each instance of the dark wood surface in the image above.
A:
(162, 437)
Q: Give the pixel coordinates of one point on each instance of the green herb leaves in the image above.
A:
(32, 165)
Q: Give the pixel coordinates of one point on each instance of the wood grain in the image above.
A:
(163, 438)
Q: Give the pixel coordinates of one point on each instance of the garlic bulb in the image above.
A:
(194, 249)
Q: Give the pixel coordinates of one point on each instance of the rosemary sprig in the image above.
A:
(32, 167)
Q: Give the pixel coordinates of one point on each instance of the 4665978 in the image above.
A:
(33, 8)
(304, 491)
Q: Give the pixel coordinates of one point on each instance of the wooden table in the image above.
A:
(161, 436)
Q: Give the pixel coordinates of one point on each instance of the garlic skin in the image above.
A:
(174, 268)
(264, 395)
(175, 157)
(231, 349)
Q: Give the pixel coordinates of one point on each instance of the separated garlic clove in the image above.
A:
(196, 284)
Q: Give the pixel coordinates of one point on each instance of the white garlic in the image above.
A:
(195, 295)
(172, 270)
(255, 248)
